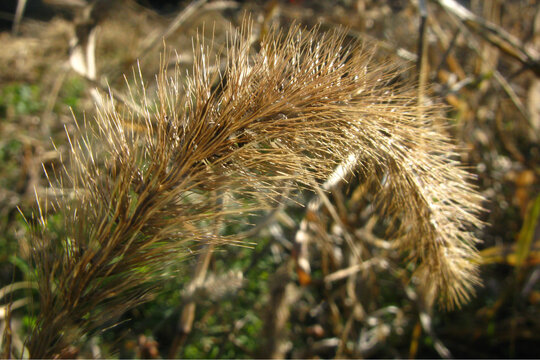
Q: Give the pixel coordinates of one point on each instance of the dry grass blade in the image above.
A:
(495, 35)
(144, 187)
(19, 11)
(173, 26)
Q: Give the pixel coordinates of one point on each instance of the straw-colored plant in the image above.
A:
(142, 187)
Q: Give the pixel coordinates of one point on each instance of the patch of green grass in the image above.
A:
(20, 99)
(71, 93)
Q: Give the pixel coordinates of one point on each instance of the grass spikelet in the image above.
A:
(140, 189)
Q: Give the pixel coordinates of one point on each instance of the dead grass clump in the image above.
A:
(26, 57)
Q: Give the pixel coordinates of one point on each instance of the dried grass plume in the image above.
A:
(141, 187)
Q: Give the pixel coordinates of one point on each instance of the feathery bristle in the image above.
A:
(146, 185)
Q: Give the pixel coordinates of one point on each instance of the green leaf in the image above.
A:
(527, 232)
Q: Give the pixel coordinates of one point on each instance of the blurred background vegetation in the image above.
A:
(257, 301)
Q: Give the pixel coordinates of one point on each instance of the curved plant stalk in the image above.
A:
(138, 188)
